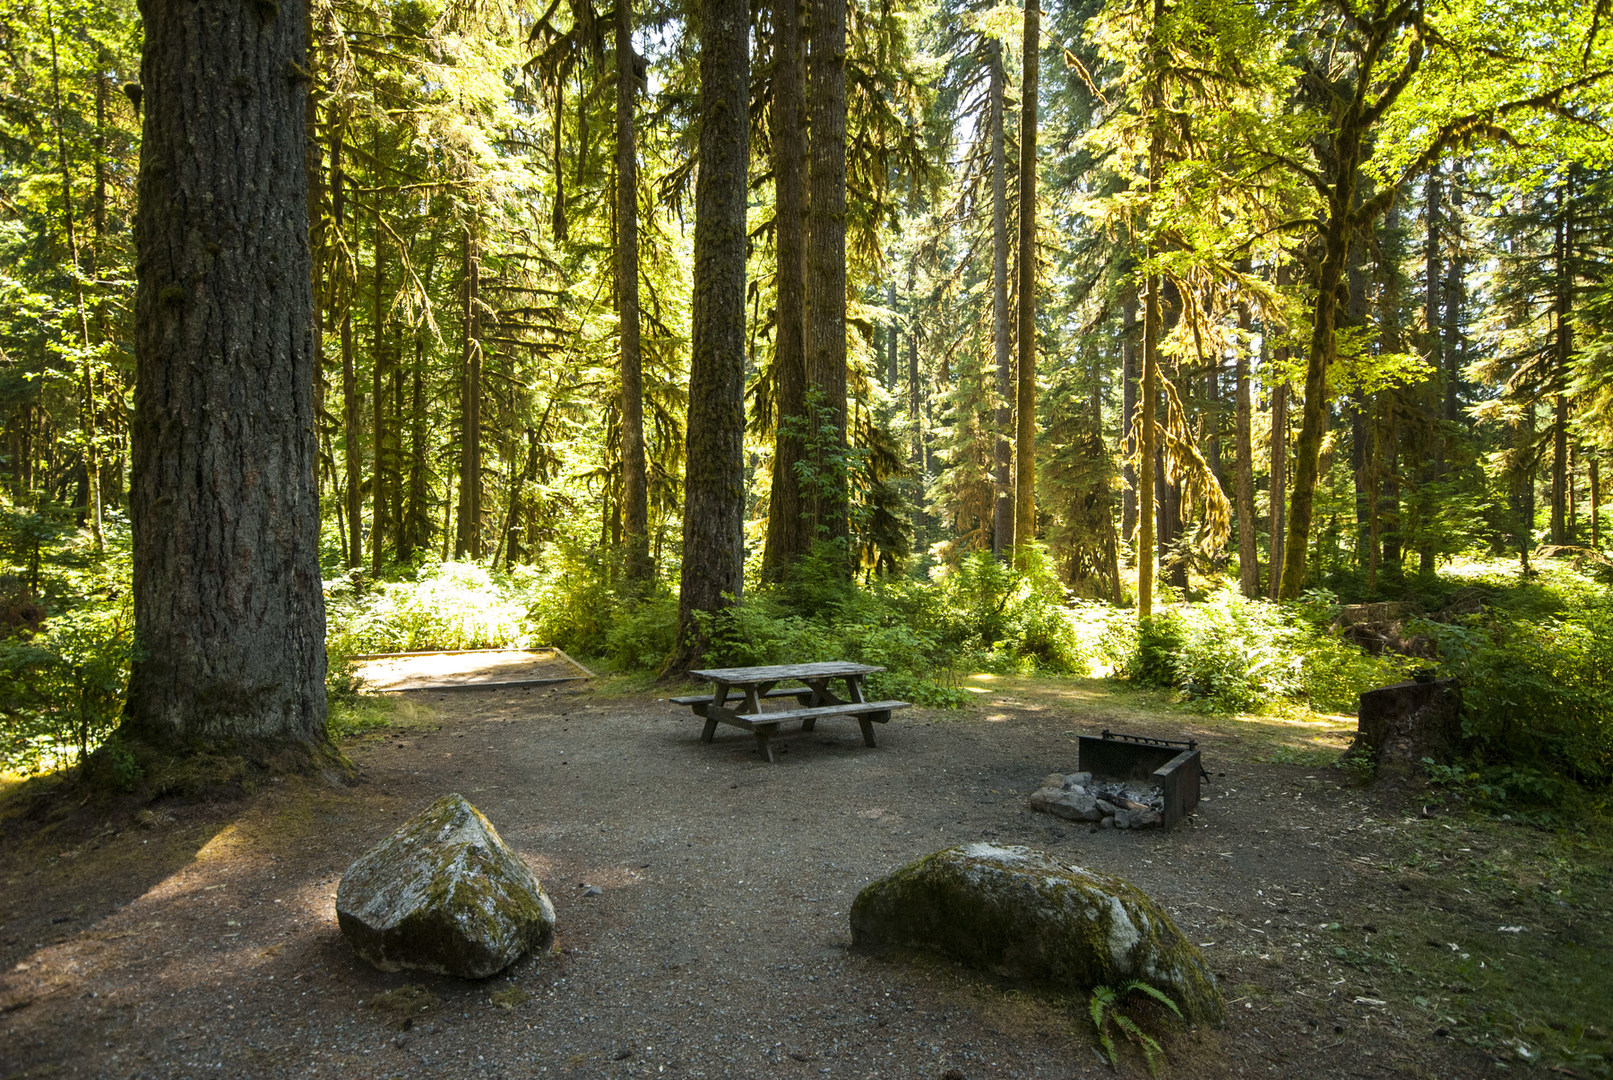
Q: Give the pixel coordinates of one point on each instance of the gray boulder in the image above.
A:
(1026, 915)
(443, 894)
(1074, 804)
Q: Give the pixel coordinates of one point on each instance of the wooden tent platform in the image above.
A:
(467, 669)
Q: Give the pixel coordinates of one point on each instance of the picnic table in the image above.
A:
(738, 693)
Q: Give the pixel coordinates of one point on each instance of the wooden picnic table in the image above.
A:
(738, 693)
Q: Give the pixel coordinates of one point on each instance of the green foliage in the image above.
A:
(1105, 1009)
(442, 606)
(1231, 654)
(61, 690)
(1536, 692)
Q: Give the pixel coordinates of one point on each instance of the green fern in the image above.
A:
(1104, 1007)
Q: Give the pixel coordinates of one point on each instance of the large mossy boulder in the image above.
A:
(1028, 916)
(443, 894)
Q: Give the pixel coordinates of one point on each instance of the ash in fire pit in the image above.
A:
(1110, 803)
(1126, 781)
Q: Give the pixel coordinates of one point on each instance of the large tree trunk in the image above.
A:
(786, 540)
(1025, 402)
(714, 484)
(826, 267)
(1002, 521)
(1248, 556)
(228, 607)
(635, 484)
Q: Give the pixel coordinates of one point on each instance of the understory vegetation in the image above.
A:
(1535, 654)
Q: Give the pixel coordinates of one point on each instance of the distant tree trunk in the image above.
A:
(92, 457)
(416, 532)
(1025, 403)
(1248, 556)
(1279, 473)
(786, 541)
(378, 374)
(1002, 521)
(352, 421)
(227, 598)
(557, 217)
(826, 263)
(1596, 501)
(1563, 309)
(893, 341)
(635, 483)
(469, 539)
(915, 388)
(1128, 408)
(1149, 451)
(714, 485)
(1455, 293)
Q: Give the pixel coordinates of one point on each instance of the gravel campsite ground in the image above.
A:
(1355, 934)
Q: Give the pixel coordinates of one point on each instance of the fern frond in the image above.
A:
(1155, 993)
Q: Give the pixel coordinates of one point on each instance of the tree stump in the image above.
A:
(1397, 726)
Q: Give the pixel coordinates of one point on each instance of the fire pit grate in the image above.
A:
(1173, 765)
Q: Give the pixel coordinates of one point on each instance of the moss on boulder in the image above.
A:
(1026, 915)
(443, 894)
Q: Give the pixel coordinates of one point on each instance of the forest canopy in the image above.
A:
(1052, 321)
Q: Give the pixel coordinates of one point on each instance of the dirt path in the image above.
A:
(205, 945)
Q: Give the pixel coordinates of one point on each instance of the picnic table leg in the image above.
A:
(868, 730)
(762, 744)
(719, 699)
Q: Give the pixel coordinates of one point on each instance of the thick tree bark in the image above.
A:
(1244, 462)
(635, 483)
(714, 484)
(1025, 403)
(1002, 521)
(228, 606)
(826, 267)
(786, 540)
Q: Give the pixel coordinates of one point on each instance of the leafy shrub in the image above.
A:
(61, 690)
(1231, 654)
(1537, 692)
(642, 634)
(443, 606)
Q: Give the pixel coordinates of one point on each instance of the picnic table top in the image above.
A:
(776, 672)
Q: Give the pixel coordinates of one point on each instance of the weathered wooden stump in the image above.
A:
(1397, 726)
